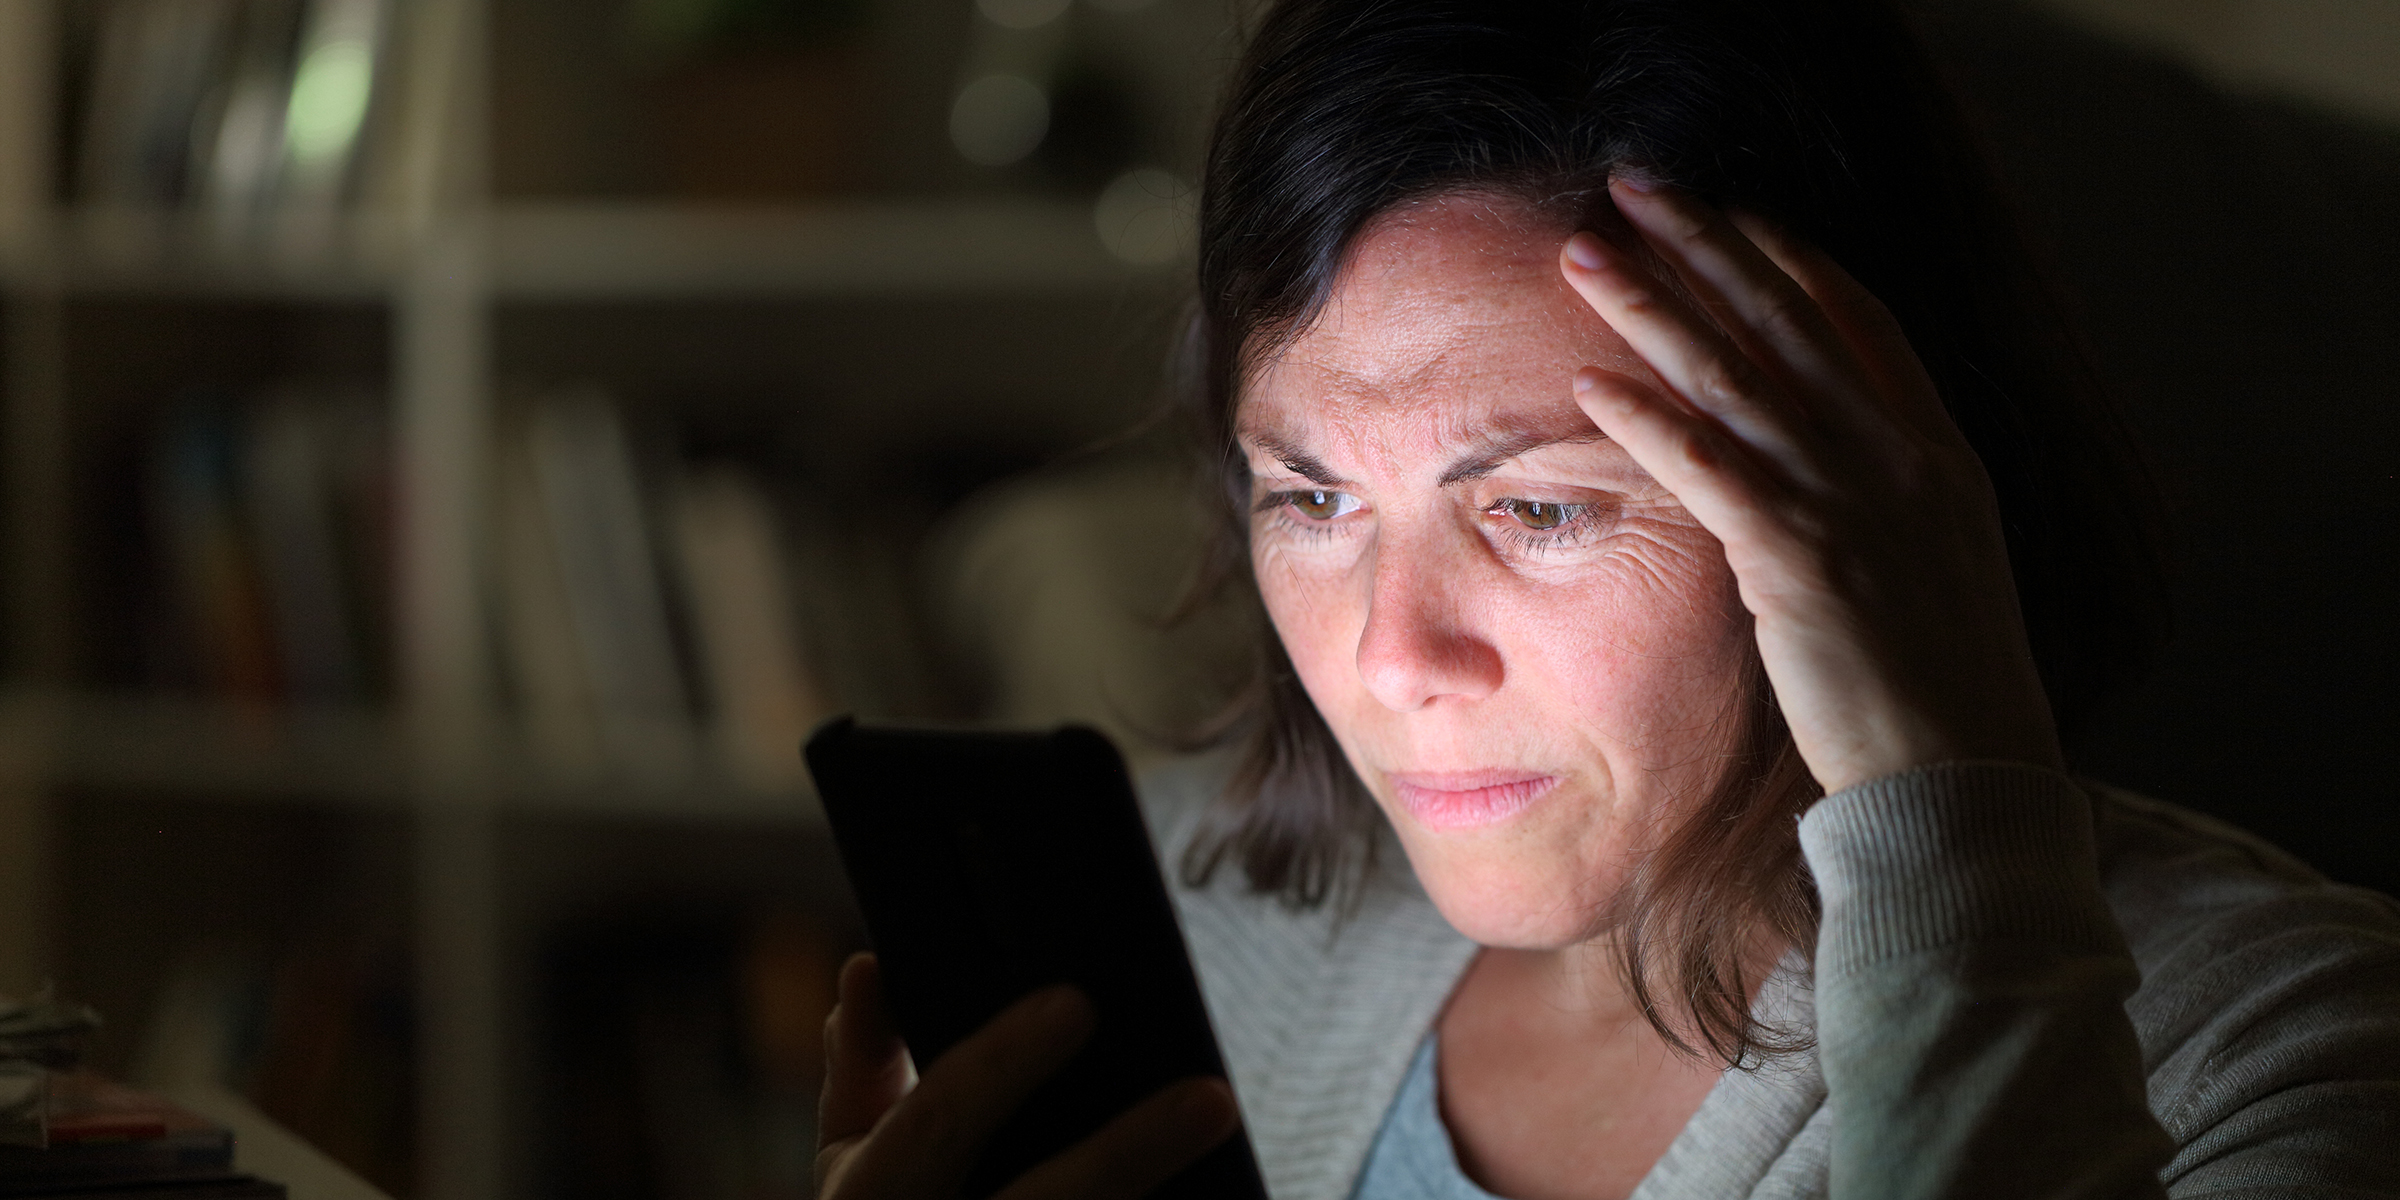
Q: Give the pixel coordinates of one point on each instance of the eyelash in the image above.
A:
(1569, 532)
(1286, 503)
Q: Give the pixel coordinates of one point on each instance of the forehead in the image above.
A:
(1449, 318)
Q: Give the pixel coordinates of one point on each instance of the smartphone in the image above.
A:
(989, 864)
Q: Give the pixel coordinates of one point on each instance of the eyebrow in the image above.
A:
(1496, 451)
(1296, 460)
(1486, 458)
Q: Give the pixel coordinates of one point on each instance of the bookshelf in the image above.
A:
(621, 250)
(441, 292)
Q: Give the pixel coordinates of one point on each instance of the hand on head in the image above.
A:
(1800, 429)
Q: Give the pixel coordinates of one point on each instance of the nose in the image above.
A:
(1421, 644)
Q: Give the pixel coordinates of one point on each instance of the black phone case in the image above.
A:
(990, 864)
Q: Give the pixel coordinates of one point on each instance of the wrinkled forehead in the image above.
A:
(1449, 318)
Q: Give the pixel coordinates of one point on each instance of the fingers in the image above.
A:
(1862, 321)
(866, 1065)
(1140, 1149)
(1687, 352)
(1781, 321)
(1721, 484)
(925, 1143)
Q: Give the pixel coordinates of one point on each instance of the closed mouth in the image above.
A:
(1468, 799)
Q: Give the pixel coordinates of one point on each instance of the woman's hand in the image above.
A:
(1859, 524)
(879, 1138)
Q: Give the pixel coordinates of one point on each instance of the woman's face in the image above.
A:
(1529, 651)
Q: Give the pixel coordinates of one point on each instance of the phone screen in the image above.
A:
(989, 864)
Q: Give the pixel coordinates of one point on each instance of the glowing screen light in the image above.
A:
(998, 120)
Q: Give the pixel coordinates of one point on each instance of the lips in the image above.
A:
(1468, 799)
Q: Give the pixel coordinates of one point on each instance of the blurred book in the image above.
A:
(629, 615)
(68, 1131)
(313, 484)
(734, 566)
(581, 589)
(40, 1038)
(539, 650)
(244, 109)
(240, 134)
(101, 1133)
(154, 65)
(274, 517)
(212, 561)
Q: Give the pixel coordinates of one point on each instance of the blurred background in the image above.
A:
(453, 449)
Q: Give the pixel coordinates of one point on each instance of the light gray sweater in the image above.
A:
(2021, 988)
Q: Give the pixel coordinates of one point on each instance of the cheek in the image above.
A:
(1647, 641)
(1626, 661)
(1310, 597)
(1661, 592)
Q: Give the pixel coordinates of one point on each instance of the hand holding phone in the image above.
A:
(881, 1139)
(992, 868)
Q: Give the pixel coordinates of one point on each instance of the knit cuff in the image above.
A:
(1953, 854)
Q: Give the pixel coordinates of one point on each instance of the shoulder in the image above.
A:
(1317, 1010)
(2187, 887)
(1176, 795)
(1388, 903)
(1269, 945)
(2269, 1006)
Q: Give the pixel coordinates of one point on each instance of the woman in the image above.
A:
(1684, 534)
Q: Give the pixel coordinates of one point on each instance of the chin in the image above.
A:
(1506, 903)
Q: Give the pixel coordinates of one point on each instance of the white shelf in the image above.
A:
(610, 251)
(359, 758)
(153, 253)
(631, 251)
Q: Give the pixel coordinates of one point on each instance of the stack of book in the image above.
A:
(104, 1141)
(68, 1132)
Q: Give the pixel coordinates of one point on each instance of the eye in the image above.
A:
(1318, 504)
(1540, 515)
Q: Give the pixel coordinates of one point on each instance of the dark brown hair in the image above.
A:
(1821, 114)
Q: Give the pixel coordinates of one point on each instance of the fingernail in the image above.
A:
(1583, 383)
(1634, 183)
(1584, 251)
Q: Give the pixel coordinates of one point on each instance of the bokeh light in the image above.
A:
(1144, 216)
(329, 99)
(998, 120)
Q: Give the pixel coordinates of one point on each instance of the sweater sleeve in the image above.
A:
(1970, 993)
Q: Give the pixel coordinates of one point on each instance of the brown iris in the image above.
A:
(1318, 505)
(1540, 514)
